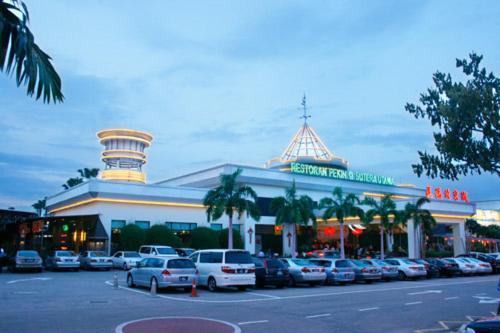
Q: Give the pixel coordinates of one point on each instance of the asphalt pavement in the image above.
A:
(88, 302)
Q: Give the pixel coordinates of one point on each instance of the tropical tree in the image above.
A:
(72, 182)
(341, 206)
(20, 54)
(161, 235)
(423, 222)
(229, 198)
(466, 119)
(88, 173)
(385, 209)
(132, 237)
(293, 210)
(39, 206)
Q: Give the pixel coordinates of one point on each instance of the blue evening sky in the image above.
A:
(220, 81)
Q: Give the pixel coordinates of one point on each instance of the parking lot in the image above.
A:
(88, 302)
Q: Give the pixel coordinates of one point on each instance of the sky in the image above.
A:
(222, 81)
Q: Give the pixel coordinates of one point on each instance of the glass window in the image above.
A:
(237, 227)
(343, 263)
(216, 226)
(285, 262)
(145, 249)
(180, 226)
(180, 263)
(302, 262)
(27, 254)
(117, 224)
(322, 263)
(142, 224)
(392, 262)
(258, 262)
(274, 263)
(359, 263)
(64, 253)
(205, 257)
(216, 258)
(238, 257)
(166, 250)
(97, 254)
(194, 257)
(131, 255)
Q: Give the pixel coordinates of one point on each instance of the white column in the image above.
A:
(287, 248)
(248, 233)
(412, 246)
(458, 238)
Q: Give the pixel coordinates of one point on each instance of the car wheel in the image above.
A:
(212, 284)
(242, 288)
(125, 268)
(39, 270)
(130, 281)
(312, 284)
(291, 282)
(402, 276)
(368, 281)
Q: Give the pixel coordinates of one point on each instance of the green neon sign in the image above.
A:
(65, 228)
(328, 172)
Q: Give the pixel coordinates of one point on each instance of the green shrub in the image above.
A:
(204, 238)
(131, 237)
(438, 254)
(237, 240)
(161, 235)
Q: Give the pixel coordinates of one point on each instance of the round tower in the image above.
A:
(124, 154)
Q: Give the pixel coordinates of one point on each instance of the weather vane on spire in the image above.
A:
(304, 108)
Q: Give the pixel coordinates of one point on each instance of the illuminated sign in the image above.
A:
(321, 171)
(65, 228)
(446, 194)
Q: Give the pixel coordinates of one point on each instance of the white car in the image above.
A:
(95, 260)
(407, 269)
(126, 259)
(224, 268)
(465, 267)
(483, 267)
(157, 251)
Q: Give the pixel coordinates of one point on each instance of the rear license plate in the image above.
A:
(101, 260)
(183, 278)
(30, 260)
(68, 260)
(241, 271)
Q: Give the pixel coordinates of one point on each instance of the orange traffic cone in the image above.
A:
(194, 293)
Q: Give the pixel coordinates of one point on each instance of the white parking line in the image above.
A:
(450, 298)
(369, 309)
(319, 315)
(32, 279)
(413, 303)
(253, 322)
(119, 328)
(263, 295)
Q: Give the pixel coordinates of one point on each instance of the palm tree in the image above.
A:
(341, 206)
(423, 221)
(39, 206)
(229, 198)
(384, 209)
(88, 173)
(72, 182)
(20, 54)
(293, 210)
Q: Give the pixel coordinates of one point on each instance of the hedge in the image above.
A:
(131, 237)
(161, 235)
(204, 238)
(237, 240)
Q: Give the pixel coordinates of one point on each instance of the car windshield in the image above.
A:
(64, 254)
(238, 257)
(343, 263)
(302, 262)
(332, 254)
(166, 250)
(188, 251)
(408, 262)
(97, 254)
(359, 263)
(27, 254)
(380, 262)
(131, 255)
(180, 263)
(451, 261)
(273, 263)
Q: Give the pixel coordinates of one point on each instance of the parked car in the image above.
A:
(95, 260)
(4, 260)
(408, 269)
(153, 251)
(365, 272)
(125, 259)
(304, 272)
(483, 267)
(431, 269)
(492, 258)
(26, 260)
(224, 268)
(465, 267)
(389, 272)
(184, 252)
(483, 325)
(61, 259)
(166, 272)
(446, 268)
(337, 270)
(270, 271)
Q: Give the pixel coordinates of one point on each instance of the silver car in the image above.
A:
(337, 270)
(95, 260)
(26, 260)
(483, 267)
(365, 272)
(303, 271)
(389, 272)
(166, 272)
(408, 269)
(62, 260)
(126, 259)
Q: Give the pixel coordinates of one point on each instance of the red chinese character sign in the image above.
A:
(446, 194)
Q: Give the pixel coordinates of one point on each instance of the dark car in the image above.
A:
(270, 272)
(184, 252)
(4, 260)
(431, 268)
(491, 259)
(483, 325)
(446, 268)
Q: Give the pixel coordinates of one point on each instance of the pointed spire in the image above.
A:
(304, 108)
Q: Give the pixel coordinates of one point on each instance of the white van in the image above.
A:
(154, 251)
(224, 268)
